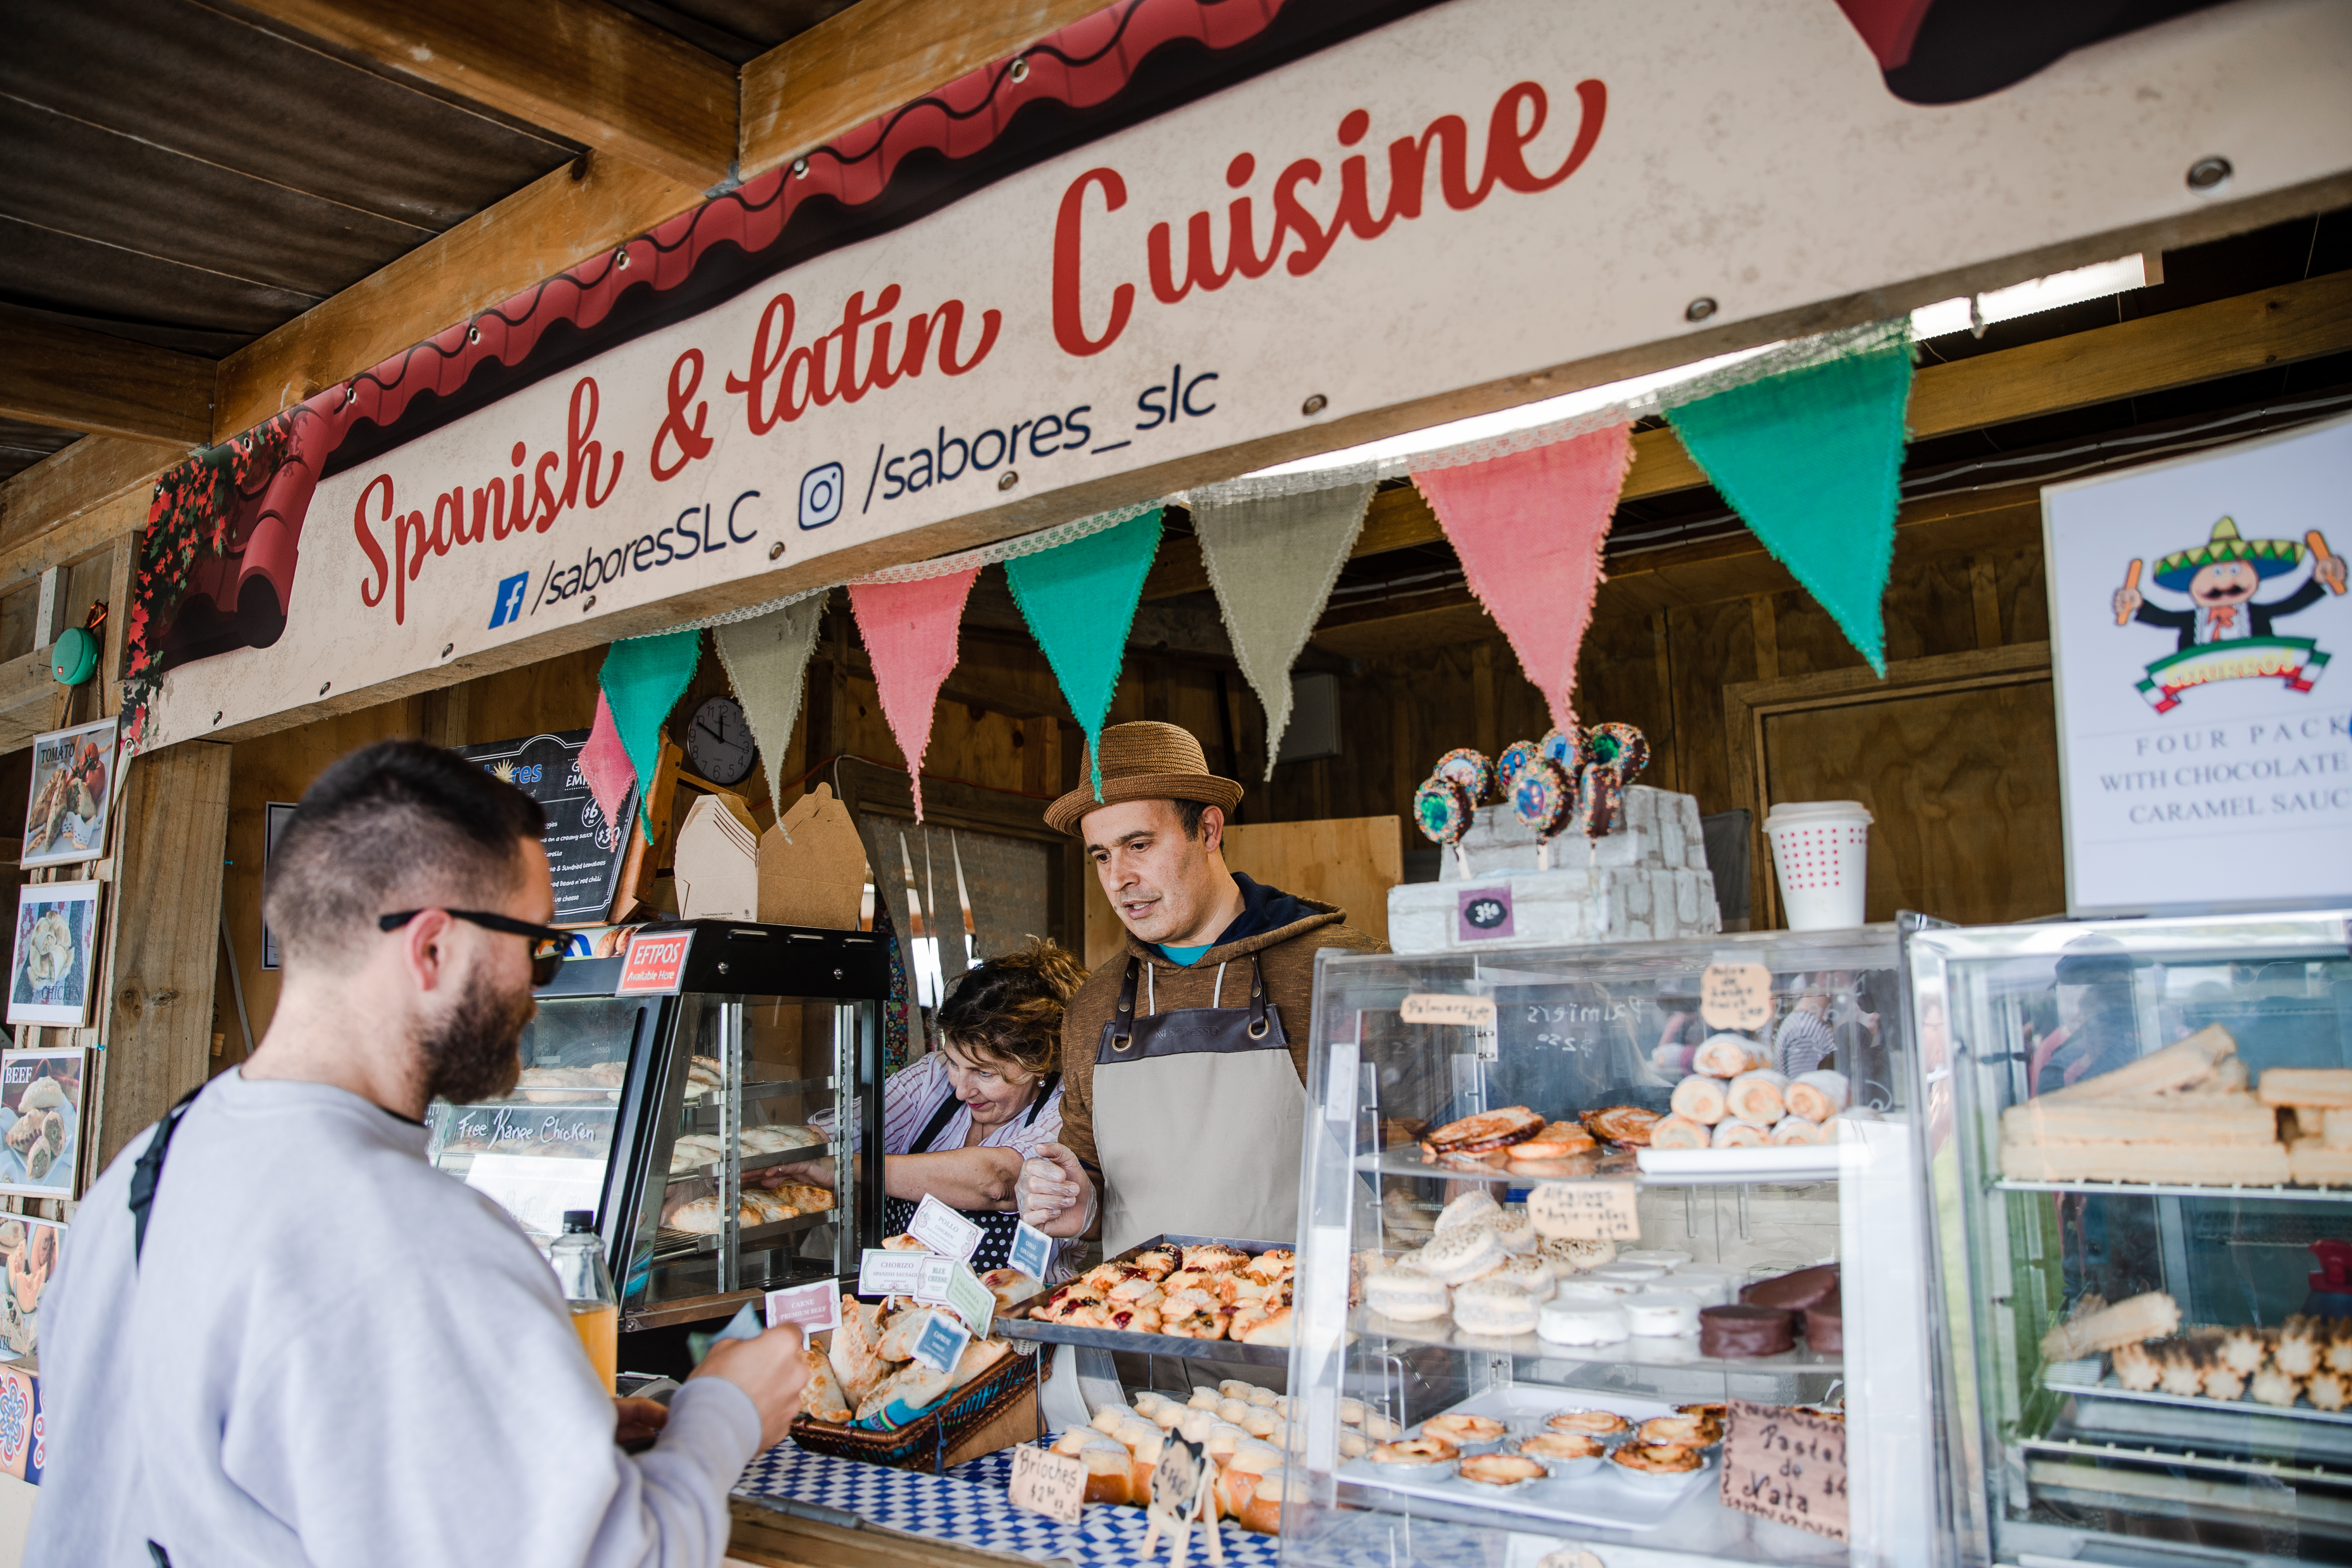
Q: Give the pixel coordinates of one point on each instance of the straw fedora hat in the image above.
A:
(1145, 760)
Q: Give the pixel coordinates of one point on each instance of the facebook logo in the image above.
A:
(508, 604)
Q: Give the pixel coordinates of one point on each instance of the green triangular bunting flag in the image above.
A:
(1812, 460)
(642, 680)
(1079, 601)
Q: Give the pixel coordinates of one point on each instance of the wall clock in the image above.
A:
(719, 742)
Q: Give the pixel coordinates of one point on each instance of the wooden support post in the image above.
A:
(1767, 637)
(162, 935)
(447, 715)
(1984, 588)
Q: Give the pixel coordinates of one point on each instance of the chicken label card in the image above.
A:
(943, 1230)
(2197, 611)
(1032, 1251)
(941, 1342)
(1584, 1211)
(1048, 1483)
(1787, 1466)
(816, 1308)
(655, 963)
(41, 1094)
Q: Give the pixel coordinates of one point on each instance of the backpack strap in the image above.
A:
(150, 1171)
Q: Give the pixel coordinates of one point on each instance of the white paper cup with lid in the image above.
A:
(1819, 849)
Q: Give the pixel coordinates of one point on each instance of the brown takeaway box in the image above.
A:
(817, 877)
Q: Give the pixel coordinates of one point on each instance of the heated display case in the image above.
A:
(672, 1116)
(1573, 1030)
(2120, 1115)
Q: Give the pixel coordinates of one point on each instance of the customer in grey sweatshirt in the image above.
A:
(322, 1350)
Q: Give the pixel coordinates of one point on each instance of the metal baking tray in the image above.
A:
(1014, 1322)
(804, 1154)
(670, 1244)
(2104, 1410)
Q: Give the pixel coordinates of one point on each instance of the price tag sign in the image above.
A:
(815, 1308)
(1432, 1007)
(1048, 1483)
(1584, 1211)
(1483, 914)
(941, 1343)
(1735, 996)
(1788, 1466)
(943, 1230)
(1177, 1477)
(883, 1271)
(1032, 1252)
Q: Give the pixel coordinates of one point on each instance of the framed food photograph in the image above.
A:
(74, 774)
(29, 1255)
(41, 1097)
(56, 937)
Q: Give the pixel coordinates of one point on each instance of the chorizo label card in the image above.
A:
(1786, 1465)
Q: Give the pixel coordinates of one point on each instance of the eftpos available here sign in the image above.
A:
(2199, 615)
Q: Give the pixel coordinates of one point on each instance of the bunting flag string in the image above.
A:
(910, 630)
(1529, 528)
(1812, 459)
(766, 660)
(605, 764)
(1079, 601)
(1272, 561)
(642, 680)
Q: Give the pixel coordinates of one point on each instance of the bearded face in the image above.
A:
(473, 1053)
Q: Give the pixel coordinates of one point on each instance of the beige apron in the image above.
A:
(1198, 1120)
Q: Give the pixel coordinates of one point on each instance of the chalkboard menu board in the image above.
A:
(585, 850)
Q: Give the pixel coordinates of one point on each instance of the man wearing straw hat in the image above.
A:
(1184, 1059)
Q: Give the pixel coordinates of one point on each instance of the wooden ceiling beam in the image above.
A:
(873, 57)
(584, 69)
(2155, 353)
(51, 374)
(82, 479)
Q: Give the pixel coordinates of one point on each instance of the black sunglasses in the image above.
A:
(543, 964)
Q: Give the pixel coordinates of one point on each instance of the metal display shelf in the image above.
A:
(1680, 1352)
(2175, 1458)
(670, 1244)
(1605, 1168)
(800, 1156)
(2168, 1190)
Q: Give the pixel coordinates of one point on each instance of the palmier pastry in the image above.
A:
(1487, 1130)
(1628, 1124)
(1658, 1459)
(1458, 1428)
(1500, 1470)
(1598, 1423)
(1415, 1451)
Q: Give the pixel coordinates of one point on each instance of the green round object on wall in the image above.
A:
(74, 658)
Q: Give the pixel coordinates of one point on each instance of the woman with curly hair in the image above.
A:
(958, 1123)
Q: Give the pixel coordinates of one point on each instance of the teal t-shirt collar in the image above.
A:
(1185, 957)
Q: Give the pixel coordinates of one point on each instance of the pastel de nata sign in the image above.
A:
(2202, 648)
(1477, 190)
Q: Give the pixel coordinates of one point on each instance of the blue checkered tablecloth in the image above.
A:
(968, 1506)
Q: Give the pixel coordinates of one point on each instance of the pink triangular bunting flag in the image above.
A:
(910, 630)
(605, 765)
(1528, 529)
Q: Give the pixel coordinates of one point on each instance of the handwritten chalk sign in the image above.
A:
(1431, 1008)
(1048, 1483)
(1584, 1211)
(1735, 996)
(815, 1308)
(1785, 1465)
(943, 1230)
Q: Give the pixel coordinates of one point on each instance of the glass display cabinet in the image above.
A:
(2144, 1205)
(1406, 1046)
(679, 1118)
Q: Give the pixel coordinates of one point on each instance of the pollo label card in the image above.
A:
(815, 1308)
(1048, 1483)
(943, 1230)
(655, 963)
(1584, 1211)
(1788, 1466)
(942, 1341)
(1735, 996)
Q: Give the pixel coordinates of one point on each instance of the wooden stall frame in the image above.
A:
(1747, 706)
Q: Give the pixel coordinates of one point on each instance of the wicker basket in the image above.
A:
(926, 1442)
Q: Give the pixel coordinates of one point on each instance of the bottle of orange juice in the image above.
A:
(579, 1272)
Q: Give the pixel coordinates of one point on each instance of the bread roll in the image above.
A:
(1794, 1129)
(1725, 1055)
(1738, 1133)
(1680, 1131)
(1816, 1096)
(1699, 1098)
(1758, 1096)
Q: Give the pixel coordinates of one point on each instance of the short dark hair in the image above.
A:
(398, 825)
(1188, 816)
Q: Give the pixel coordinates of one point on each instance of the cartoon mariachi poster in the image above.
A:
(2195, 608)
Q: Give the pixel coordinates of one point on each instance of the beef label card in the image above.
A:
(1786, 1465)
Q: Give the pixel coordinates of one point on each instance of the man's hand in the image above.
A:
(1054, 1194)
(637, 1419)
(770, 1369)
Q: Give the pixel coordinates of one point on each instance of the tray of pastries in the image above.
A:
(1202, 1296)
